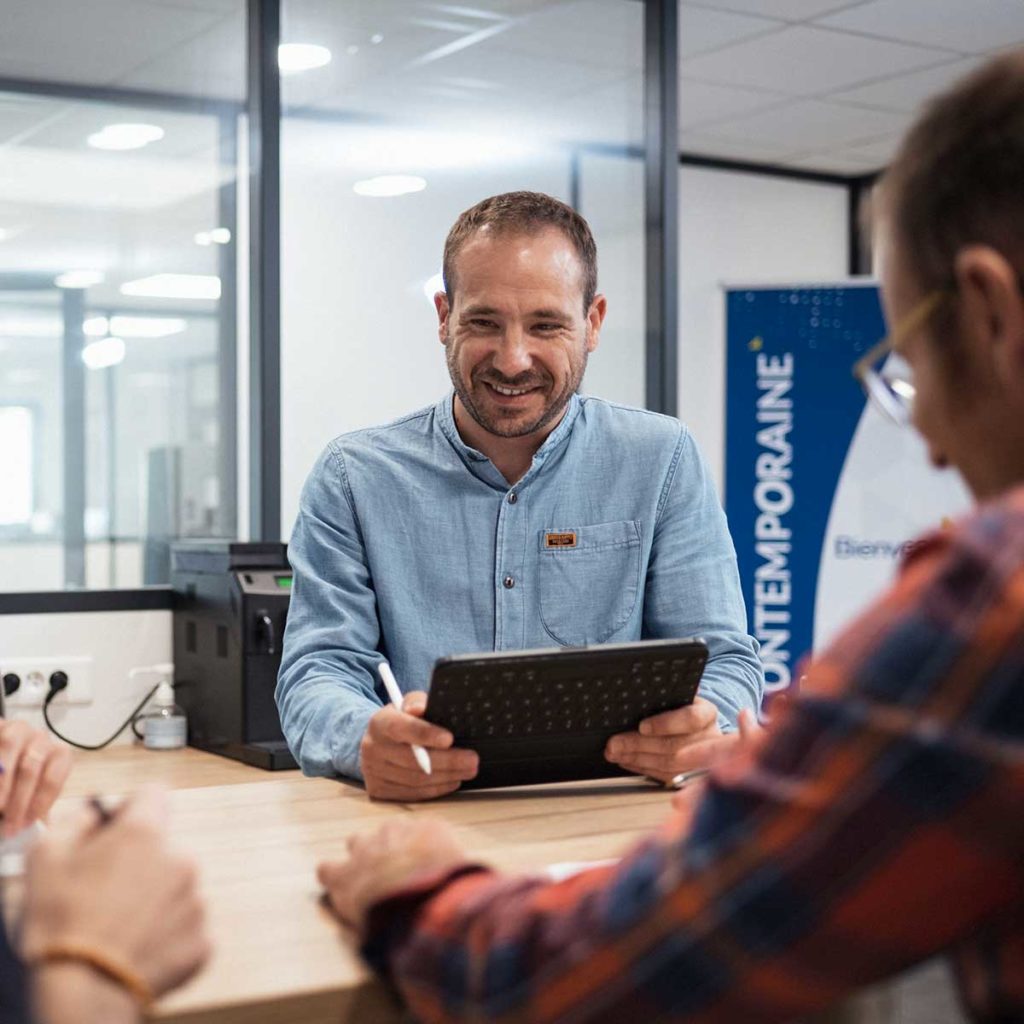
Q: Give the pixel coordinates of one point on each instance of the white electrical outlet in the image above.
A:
(35, 673)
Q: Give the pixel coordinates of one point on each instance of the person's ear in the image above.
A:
(595, 318)
(441, 305)
(991, 307)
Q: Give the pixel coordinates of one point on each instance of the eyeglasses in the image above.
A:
(884, 373)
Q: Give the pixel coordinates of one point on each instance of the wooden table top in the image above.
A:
(258, 835)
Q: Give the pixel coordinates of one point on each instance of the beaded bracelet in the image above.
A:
(110, 967)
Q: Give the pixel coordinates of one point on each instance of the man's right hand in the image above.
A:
(386, 758)
(117, 889)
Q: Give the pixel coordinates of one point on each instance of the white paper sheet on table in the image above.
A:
(567, 868)
(13, 850)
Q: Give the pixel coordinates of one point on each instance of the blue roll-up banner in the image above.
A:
(822, 492)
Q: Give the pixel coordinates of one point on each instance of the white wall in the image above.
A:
(116, 641)
(742, 229)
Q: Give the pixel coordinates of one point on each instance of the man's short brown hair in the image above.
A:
(524, 213)
(958, 177)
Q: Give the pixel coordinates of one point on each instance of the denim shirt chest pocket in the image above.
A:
(589, 579)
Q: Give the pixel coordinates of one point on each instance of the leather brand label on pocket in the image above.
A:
(560, 540)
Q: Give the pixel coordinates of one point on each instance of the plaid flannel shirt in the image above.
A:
(880, 824)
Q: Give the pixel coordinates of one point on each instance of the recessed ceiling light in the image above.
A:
(134, 326)
(174, 286)
(390, 185)
(376, 38)
(295, 57)
(216, 236)
(106, 352)
(79, 278)
(125, 136)
(432, 286)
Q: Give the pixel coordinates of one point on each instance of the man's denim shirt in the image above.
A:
(410, 545)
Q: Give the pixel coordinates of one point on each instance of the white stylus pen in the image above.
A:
(387, 677)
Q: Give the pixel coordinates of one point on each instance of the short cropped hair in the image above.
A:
(524, 213)
(958, 177)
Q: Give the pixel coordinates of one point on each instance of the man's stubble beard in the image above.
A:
(551, 411)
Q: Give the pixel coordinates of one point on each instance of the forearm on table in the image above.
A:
(324, 722)
(74, 992)
(720, 900)
(733, 681)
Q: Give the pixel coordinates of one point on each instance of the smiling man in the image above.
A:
(429, 536)
(879, 822)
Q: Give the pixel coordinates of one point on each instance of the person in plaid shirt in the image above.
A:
(880, 820)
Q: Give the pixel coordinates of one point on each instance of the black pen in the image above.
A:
(102, 812)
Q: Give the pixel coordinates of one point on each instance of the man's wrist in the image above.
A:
(71, 990)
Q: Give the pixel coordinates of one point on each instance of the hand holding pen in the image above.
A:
(104, 889)
(395, 696)
(392, 768)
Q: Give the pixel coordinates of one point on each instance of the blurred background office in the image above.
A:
(131, 311)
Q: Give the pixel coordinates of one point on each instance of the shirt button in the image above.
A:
(509, 582)
(513, 498)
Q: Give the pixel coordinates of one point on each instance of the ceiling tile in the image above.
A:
(731, 149)
(210, 65)
(831, 163)
(974, 27)
(803, 61)
(701, 102)
(21, 114)
(71, 41)
(702, 29)
(810, 125)
(863, 159)
(787, 10)
(217, 6)
(558, 32)
(907, 92)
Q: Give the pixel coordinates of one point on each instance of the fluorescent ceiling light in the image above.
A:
(125, 136)
(216, 236)
(390, 185)
(79, 278)
(174, 286)
(432, 286)
(134, 326)
(98, 355)
(295, 57)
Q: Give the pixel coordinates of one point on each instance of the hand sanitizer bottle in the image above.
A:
(163, 727)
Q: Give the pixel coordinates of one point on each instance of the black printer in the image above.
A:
(230, 607)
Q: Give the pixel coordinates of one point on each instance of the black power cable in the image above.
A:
(58, 682)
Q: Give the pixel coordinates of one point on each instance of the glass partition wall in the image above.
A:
(134, 377)
(118, 228)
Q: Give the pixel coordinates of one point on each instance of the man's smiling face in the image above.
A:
(516, 335)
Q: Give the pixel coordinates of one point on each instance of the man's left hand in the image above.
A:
(382, 862)
(34, 770)
(667, 744)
